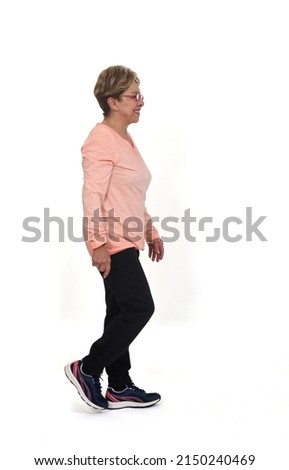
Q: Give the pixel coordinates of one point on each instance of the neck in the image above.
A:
(116, 125)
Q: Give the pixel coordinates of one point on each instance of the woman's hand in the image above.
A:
(156, 250)
(101, 259)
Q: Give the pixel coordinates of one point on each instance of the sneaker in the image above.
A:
(88, 386)
(130, 397)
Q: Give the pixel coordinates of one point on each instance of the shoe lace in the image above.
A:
(134, 387)
(97, 379)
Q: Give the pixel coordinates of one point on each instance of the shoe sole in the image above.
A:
(130, 404)
(82, 395)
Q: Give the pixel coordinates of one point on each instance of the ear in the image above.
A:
(112, 103)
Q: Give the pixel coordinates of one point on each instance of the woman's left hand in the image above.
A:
(156, 249)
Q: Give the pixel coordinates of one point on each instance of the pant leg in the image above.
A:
(118, 371)
(128, 283)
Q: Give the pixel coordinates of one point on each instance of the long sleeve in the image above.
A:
(151, 232)
(97, 163)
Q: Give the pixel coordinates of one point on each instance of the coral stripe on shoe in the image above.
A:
(88, 386)
(130, 397)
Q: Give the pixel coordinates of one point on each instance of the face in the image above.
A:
(129, 106)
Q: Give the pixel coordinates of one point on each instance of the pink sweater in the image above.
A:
(114, 191)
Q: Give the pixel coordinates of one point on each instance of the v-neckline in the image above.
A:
(130, 143)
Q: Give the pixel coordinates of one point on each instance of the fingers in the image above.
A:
(161, 252)
(103, 267)
(106, 270)
(156, 250)
(152, 252)
(101, 260)
(150, 249)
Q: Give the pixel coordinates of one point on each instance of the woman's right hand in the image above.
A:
(101, 259)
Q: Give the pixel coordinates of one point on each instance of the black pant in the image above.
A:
(129, 306)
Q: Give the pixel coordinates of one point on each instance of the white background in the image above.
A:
(214, 133)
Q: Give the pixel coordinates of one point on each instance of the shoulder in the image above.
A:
(99, 140)
(99, 133)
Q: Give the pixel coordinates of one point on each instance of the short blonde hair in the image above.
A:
(112, 82)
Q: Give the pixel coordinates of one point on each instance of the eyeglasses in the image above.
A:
(137, 96)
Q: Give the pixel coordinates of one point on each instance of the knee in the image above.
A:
(148, 308)
(151, 309)
(142, 310)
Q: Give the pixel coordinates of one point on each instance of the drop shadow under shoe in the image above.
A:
(130, 397)
(88, 386)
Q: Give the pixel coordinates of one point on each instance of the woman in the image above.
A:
(116, 227)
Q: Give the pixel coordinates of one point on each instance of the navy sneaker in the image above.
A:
(130, 397)
(88, 386)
